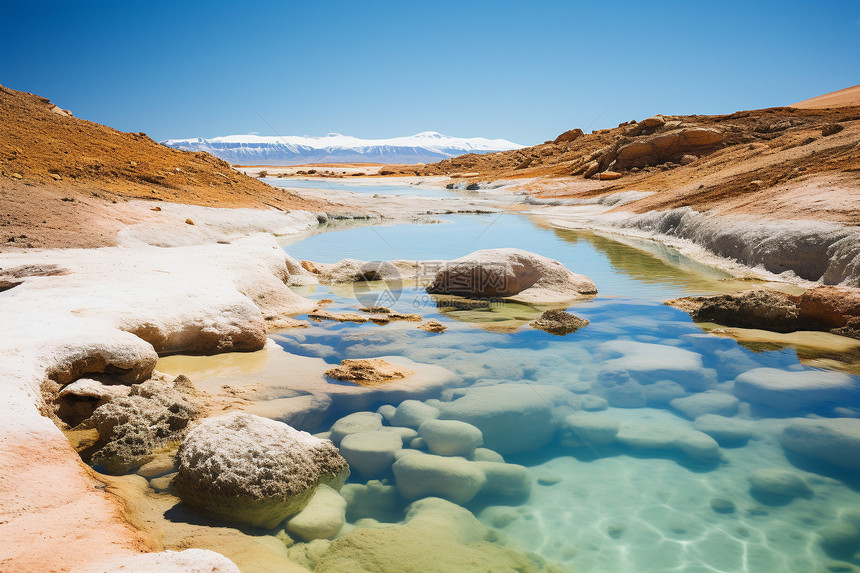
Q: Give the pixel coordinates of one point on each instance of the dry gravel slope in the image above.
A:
(811, 156)
(65, 181)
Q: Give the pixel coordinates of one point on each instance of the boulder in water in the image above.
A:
(247, 469)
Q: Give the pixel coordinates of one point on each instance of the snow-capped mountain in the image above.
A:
(425, 147)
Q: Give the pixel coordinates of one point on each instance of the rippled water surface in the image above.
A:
(607, 505)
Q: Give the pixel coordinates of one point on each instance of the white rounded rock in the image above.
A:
(513, 418)
(510, 480)
(426, 475)
(322, 517)
(647, 436)
(370, 453)
(450, 437)
(406, 434)
(386, 411)
(709, 402)
(724, 430)
(412, 413)
(355, 423)
(785, 390)
(486, 455)
(593, 429)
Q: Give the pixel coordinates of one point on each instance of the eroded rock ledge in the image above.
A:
(825, 308)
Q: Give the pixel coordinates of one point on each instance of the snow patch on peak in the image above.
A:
(424, 147)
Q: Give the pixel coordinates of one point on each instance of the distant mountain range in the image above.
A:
(425, 147)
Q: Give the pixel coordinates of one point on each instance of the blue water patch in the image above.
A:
(704, 473)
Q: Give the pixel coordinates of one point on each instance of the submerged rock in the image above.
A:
(513, 418)
(368, 371)
(709, 402)
(371, 453)
(412, 413)
(648, 363)
(800, 390)
(420, 475)
(619, 389)
(355, 423)
(323, 516)
(840, 539)
(722, 505)
(655, 436)
(247, 469)
(727, 431)
(450, 437)
(511, 274)
(593, 429)
(436, 537)
(433, 325)
(559, 322)
(834, 440)
(779, 482)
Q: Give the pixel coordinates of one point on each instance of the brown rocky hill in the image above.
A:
(697, 160)
(60, 174)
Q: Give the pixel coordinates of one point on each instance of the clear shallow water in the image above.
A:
(608, 507)
(612, 507)
(617, 269)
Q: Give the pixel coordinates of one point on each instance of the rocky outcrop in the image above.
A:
(827, 308)
(511, 274)
(368, 371)
(122, 355)
(568, 136)
(831, 308)
(670, 146)
(133, 427)
(559, 322)
(247, 469)
(750, 309)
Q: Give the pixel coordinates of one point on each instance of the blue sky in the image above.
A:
(524, 71)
